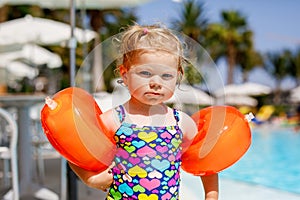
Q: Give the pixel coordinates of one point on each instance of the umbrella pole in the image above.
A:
(69, 178)
(72, 43)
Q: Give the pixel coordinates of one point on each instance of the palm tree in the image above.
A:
(231, 38)
(108, 23)
(295, 66)
(280, 63)
(248, 59)
(192, 22)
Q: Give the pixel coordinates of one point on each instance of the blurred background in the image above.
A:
(255, 51)
(248, 42)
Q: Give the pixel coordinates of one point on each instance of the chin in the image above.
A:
(152, 102)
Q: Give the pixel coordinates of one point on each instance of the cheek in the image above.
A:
(135, 84)
(170, 89)
(170, 85)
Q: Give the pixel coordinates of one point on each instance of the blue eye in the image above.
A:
(167, 76)
(145, 73)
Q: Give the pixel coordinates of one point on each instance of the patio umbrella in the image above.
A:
(39, 31)
(33, 54)
(44, 31)
(245, 89)
(295, 95)
(187, 94)
(20, 70)
(87, 4)
(238, 100)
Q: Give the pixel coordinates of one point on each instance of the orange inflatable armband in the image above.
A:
(223, 138)
(72, 125)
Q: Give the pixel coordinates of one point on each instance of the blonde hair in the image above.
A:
(138, 39)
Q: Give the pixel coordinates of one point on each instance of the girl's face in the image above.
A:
(152, 77)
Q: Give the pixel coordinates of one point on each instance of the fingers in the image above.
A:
(105, 187)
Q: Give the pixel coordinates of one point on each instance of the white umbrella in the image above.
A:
(33, 54)
(20, 70)
(245, 89)
(40, 31)
(186, 94)
(296, 90)
(73, 5)
(88, 4)
(238, 100)
(295, 95)
(44, 31)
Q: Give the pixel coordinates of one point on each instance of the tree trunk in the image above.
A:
(3, 13)
(231, 57)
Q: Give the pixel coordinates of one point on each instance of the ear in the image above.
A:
(123, 73)
(122, 69)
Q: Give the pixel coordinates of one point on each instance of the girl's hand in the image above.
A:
(101, 181)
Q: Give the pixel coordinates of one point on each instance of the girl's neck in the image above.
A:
(148, 115)
(135, 107)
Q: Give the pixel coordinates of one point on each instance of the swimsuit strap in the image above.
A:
(176, 115)
(121, 113)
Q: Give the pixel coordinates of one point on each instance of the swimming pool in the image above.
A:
(273, 160)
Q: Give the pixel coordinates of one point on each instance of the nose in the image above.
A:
(155, 82)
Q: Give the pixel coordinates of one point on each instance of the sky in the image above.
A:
(274, 24)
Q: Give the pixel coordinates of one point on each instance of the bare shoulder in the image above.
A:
(187, 125)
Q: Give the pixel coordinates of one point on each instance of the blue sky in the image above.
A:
(274, 23)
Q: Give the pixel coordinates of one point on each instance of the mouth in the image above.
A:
(153, 94)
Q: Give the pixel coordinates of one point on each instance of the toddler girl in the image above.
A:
(150, 136)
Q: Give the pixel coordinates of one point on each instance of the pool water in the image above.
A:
(272, 160)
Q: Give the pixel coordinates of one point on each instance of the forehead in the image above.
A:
(154, 68)
(158, 58)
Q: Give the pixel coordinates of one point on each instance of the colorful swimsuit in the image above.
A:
(147, 161)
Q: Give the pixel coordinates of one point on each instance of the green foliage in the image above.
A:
(294, 68)
(113, 23)
(232, 39)
(280, 63)
(191, 75)
(192, 20)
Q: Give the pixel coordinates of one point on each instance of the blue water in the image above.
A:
(273, 160)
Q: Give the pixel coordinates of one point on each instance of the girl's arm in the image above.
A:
(210, 182)
(188, 126)
(97, 180)
(104, 179)
(211, 186)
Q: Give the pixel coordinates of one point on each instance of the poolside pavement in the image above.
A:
(234, 190)
(191, 188)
